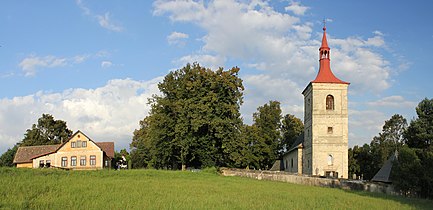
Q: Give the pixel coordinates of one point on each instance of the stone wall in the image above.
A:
(311, 181)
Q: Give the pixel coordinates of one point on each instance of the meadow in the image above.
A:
(159, 189)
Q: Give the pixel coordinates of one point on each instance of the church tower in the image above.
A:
(325, 121)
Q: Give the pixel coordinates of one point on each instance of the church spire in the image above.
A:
(325, 74)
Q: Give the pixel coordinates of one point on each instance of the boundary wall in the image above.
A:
(311, 181)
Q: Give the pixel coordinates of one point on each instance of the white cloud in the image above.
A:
(283, 49)
(261, 88)
(364, 125)
(283, 45)
(393, 102)
(103, 20)
(209, 61)
(177, 38)
(106, 22)
(31, 63)
(80, 58)
(106, 64)
(296, 8)
(108, 113)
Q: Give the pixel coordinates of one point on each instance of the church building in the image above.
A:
(322, 149)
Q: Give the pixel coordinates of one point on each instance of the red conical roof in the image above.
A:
(325, 74)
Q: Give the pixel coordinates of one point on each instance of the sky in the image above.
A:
(94, 64)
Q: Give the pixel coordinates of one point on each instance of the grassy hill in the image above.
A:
(152, 189)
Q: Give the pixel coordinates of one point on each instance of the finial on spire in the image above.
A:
(324, 24)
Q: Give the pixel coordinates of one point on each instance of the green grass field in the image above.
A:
(152, 189)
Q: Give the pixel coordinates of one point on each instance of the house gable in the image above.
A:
(79, 142)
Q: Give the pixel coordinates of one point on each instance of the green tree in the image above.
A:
(46, 131)
(267, 119)
(406, 171)
(291, 128)
(426, 172)
(354, 167)
(364, 159)
(388, 141)
(196, 121)
(7, 158)
(419, 134)
(140, 151)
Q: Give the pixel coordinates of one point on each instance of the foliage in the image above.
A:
(362, 162)
(291, 128)
(420, 131)
(368, 159)
(7, 158)
(195, 123)
(267, 125)
(388, 141)
(118, 156)
(160, 189)
(140, 151)
(412, 172)
(354, 167)
(47, 131)
(406, 170)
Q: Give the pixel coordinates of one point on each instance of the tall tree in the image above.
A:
(7, 158)
(406, 171)
(196, 121)
(354, 167)
(389, 140)
(46, 131)
(291, 128)
(362, 163)
(267, 119)
(140, 151)
(420, 131)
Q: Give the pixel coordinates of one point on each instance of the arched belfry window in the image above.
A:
(324, 54)
(329, 102)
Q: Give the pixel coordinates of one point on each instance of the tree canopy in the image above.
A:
(291, 128)
(47, 131)
(412, 171)
(195, 122)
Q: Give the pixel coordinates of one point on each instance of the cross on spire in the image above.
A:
(324, 24)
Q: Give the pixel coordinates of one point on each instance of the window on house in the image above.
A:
(74, 161)
(41, 163)
(291, 164)
(48, 163)
(84, 144)
(330, 130)
(64, 161)
(83, 161)
(106, 163)
(92, 160)
(330, 160)
(78, 143)
(329, 102)
(73, 144)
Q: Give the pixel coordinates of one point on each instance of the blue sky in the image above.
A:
(95, 63)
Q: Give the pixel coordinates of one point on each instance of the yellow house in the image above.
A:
(79, 152)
